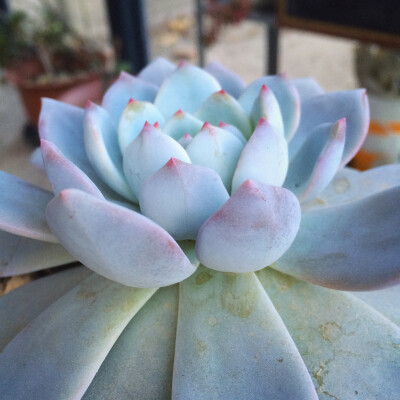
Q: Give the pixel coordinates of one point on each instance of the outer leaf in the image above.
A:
(22, 208)
(217, 149)
(135, 115)
(118, 243)
(229, 81)
(17, 308)
(20, 255)
(63, 174)
(351, 351)
(235, 131)
(232, 344)
(62, 125)
(350, 247)
(317, 161)
(148, 153)
(222, 107)
(124, 88)
(307, 88)
(180, 197)
(252, 230)
(141, 361)
(102, 149)
(330, 107)
(264, 158)
(286, 95)
(58, 354)
(157, 71)
(185, 89)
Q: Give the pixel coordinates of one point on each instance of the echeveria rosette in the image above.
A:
(179, 165)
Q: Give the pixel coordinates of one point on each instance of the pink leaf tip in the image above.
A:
(222, 124)
(222, 92)
(262, 121)
(131, 101)
(178, 113)
(264, 88)
(182, 63)
(157, 125)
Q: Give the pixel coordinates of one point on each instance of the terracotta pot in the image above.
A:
(31, 93)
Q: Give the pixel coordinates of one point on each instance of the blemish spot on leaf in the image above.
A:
(201, 348)
(203, 277)
(341, 185)
(331, 331)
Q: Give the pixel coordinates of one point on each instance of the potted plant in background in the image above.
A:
(378, 70)
(44, 57)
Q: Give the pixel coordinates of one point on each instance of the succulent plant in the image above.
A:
(239, 211)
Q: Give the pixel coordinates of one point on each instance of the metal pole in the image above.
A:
(129, 29)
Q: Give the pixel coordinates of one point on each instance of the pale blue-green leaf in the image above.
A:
(62, 125)
(36, 159)
(22, 208)
(330, 107)
(57, 355)
(185, 89)
(157, 71)
(351, 351)
(181, 123)
(316, 163)
(63, 173)
(148, 153)
(126, 87)
(235, 131)
(252, 229)
(266, 106)
(386, 301)
(228, 80)
(180, 197)
(135, 115)
(217, 149)
(355, 246)
(350, 184)
(285, 93)
(118, 243)
(264, 158)
(101, 144)
(307, 88)
(20, 255)
(189, 248)
(25, 303)
(140, 364)
(232, 344)
(185, 140)
(222, 107)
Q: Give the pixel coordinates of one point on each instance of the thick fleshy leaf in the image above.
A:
(232, 344)
(135, 115)
(180, 124)
(252, 230)
(57, 355)
(355, 246)
(217, 149)
(266, 106)
(286, 95)
(185, 140)
(22, 208)
(264, 158)
(235, 131)
(180, 197)
(157, 71)
(25, 303)
(351, 351)
(36, 159)
(185, 89)
(101, 144)
(350, 185)
(386, 301)
(307, 88)
(148, 153)
(20, 255)
(228, 80)
(62, 125)
(63, 174)
(316, 163)
(222, 107)
(330, 107)
(118, 243)
(142, 359)
(126, 87)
